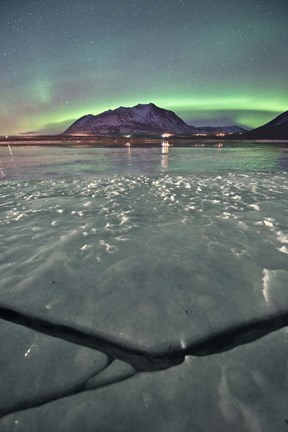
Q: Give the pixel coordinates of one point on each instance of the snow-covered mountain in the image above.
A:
(275, 129)
(144, 119)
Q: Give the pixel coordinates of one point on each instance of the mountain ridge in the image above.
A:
(274, 129)
(141, 119)
(149, 119)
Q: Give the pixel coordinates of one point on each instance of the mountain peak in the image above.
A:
(279, 120)
(275, 129)
(150, 104)
(144, 119)
(149, 119)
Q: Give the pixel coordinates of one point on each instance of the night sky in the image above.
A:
(215, 62)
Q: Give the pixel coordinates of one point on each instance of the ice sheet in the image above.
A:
(244, 389)
(35, 368)
(154, 263)
(114, 265)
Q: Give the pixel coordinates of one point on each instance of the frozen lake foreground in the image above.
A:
(143, 291)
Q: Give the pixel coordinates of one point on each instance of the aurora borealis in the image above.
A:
(215, 62)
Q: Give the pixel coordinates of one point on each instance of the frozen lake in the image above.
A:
(141, 285)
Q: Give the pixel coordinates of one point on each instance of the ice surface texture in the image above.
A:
(244, 390)
(35, 369)
(154, 264)
(138, 295)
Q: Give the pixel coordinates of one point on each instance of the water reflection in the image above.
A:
(128, 146)
(283, 162)
(2, 173)
(41, 162)
(2, 165)
(164, 158)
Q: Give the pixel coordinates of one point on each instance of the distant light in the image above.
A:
(127, 136)
(166, 135)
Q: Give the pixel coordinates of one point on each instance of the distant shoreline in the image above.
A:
(112, 141)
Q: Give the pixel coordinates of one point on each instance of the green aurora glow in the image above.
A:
(211, 62)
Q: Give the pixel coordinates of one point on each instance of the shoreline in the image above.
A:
(122, 141)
